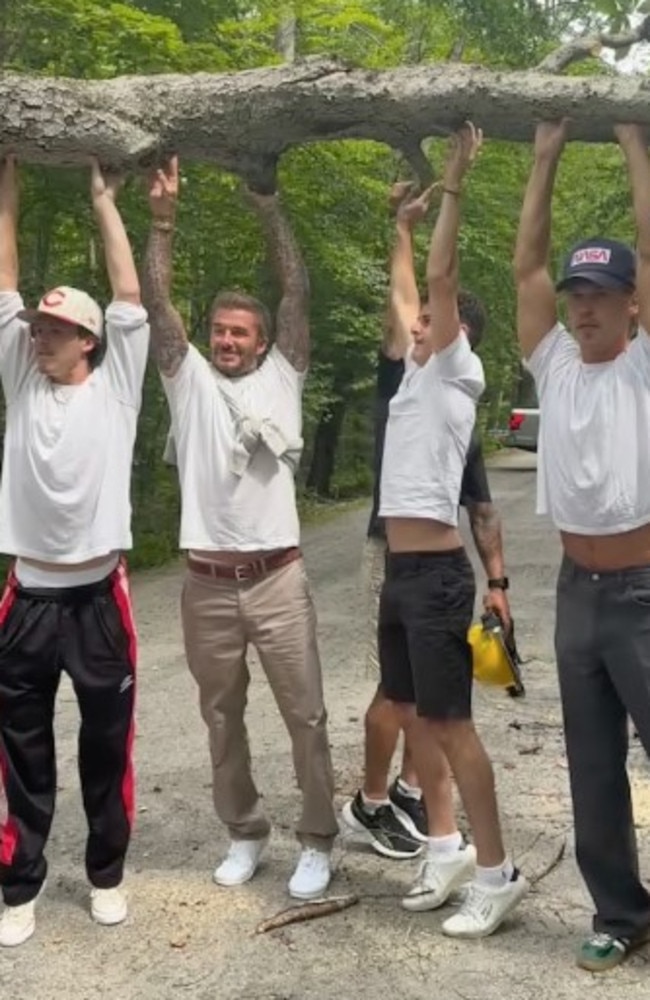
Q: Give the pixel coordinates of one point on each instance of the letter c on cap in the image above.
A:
(54, 298)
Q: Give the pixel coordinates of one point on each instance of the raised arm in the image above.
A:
(8, 223)
(292, 319)
(403, 294)
(120, 265)
(442, 263)
(536, 302)
(633, 143)
(169, 343)
(485, 524)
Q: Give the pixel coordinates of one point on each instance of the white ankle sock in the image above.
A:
(411, 791)
(372, 805)
(497, 876)
(445, 845)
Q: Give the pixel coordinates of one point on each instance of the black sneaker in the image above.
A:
(381, 829)
(411, 812)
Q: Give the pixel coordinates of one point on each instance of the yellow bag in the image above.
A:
(493, 662)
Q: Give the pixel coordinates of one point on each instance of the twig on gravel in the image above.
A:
(551, 866)
(534, 842)
(533, 724)
(307, 911)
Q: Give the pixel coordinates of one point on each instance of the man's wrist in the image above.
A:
(404, 227)
(498, 583)
(453, 181)
(547, 160)
(106, 197)
(164, 223)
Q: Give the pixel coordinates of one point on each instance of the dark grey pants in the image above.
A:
(603, 653)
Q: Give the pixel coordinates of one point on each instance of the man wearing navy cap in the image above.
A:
(593, 383)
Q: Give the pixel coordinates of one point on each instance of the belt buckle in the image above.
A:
(242, 572)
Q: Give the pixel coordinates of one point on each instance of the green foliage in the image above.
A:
(335, 194)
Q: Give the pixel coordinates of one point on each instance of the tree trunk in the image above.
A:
(326, 441)
(243, 119)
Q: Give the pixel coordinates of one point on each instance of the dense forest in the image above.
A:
(336, 193)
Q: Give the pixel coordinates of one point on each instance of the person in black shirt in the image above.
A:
(393, 818)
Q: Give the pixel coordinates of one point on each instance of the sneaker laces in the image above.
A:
(386, 818)
(428, 874)
(475, 898)
(311, 859)
(601, 939)
(238, 851)
(383, 812)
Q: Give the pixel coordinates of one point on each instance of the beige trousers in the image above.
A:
(275, 614)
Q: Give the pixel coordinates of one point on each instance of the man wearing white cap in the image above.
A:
(73, 393)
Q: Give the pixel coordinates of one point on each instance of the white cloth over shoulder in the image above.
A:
(254, 430)
(430, 423)
(237, 444)
(593, 456)
(68, 449)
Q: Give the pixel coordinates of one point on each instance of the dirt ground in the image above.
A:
(187, 938)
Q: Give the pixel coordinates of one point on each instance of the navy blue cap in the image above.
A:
(604, 262)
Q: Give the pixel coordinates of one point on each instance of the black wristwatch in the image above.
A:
(499, 583)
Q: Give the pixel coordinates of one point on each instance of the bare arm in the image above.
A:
(485, 524)
(633, 143)
(120, 265)
(292, 320)
(8, 224)
(169, 343)
(536, 303)
(442, 264)
(403, 294)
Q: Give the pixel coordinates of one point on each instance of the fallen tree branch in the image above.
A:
(307, 911)
(243, 120)
(592, 45)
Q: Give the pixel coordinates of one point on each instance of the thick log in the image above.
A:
(244, 121)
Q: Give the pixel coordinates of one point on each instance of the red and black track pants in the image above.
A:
(88, 632)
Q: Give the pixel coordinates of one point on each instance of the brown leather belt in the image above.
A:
(244, 572)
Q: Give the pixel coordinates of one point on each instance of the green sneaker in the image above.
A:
(602, 951)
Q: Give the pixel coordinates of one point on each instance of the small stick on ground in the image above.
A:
(307, 911)
(553, 863)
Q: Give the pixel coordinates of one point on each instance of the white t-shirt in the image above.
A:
(430, 422)
(593, 454)
(66, 470)
(219, 509)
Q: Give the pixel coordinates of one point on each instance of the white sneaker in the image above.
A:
(240, 863)
(485, 908)
(108, 906)
(440, 876)
(17, 924)
(312, 875)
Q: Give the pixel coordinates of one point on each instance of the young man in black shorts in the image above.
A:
(427, 600)
(392, 818)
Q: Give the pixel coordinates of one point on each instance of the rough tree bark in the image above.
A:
(237, 120)
(244, 121)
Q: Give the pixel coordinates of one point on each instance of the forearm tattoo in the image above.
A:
(292, 321)
(486, 530)
(169, 342)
